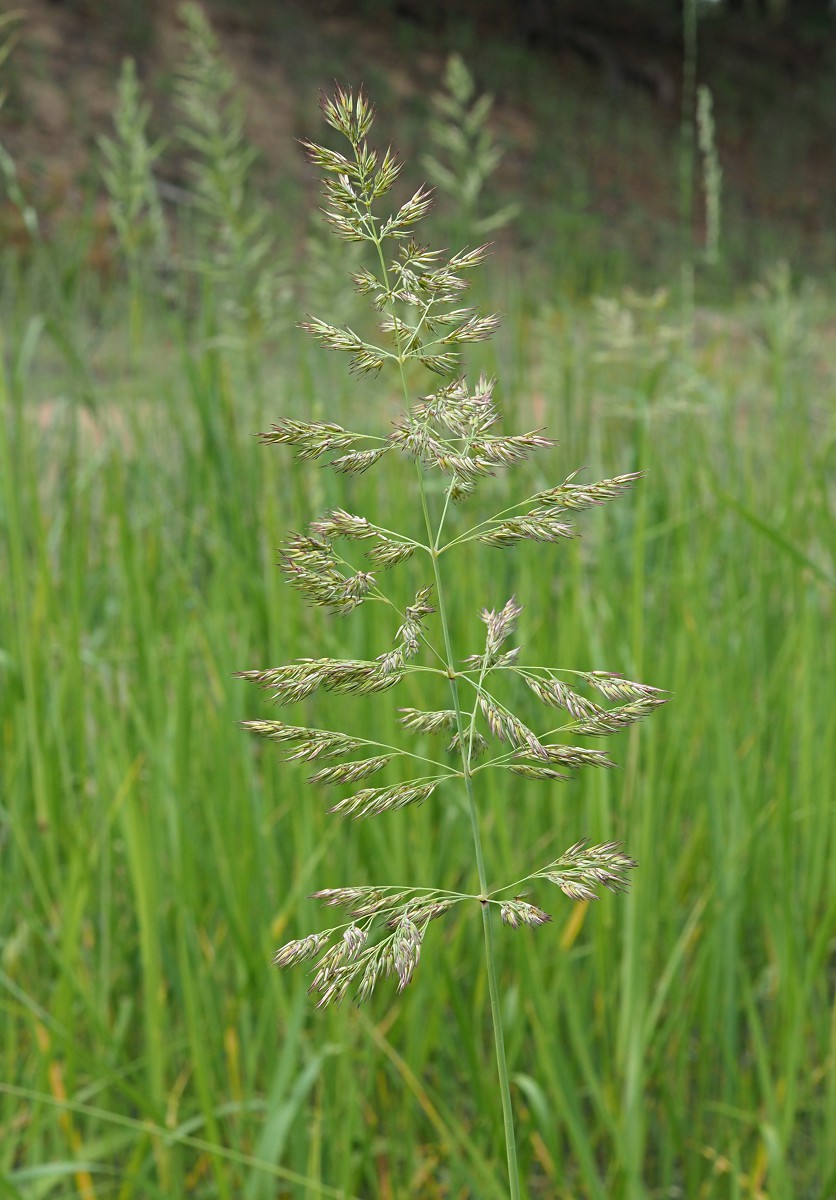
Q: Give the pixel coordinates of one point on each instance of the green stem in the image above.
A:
(493, 985)
(490, 958)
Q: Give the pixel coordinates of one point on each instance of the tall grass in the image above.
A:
(679, 1043)
(682, 1039)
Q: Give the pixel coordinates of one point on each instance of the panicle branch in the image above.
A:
(583, 867)
(500, 626)
(297, 680)
(312, 568)
(310, 744)
(396, 918)
(372, 802)
(519, 912)
(577, 496)
(311, 438)
(578, 872)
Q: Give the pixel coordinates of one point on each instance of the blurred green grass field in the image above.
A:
(676, 1042)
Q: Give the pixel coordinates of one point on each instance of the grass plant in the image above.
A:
(236, 252)
(679, 1044)
(448, 435)
(136, 211)
(464, 152)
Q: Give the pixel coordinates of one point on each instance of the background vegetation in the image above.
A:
(679, 1042)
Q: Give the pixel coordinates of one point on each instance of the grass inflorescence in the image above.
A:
(451, 432)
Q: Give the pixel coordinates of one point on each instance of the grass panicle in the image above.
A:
(415, 295)
(464, 152)
(236, 250)
(712, 172)
(128, 159)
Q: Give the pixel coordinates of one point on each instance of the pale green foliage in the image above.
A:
(127, 169)
(629, 329)
(465, 154)
(240, 253)
(7, 42)
(8, 168)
